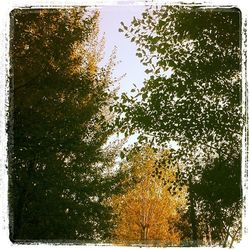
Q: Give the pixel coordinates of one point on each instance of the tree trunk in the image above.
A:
(234, 236)
(192, 214)
(226, 237)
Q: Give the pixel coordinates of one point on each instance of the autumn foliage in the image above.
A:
(147, 212)
(66, 182)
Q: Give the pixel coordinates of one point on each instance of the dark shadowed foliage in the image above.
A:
(59, 120)
(192, 95)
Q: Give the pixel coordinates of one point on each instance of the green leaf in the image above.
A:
(139, 54)
(122, 155)
(147, 71)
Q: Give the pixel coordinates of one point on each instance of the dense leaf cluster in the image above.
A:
(192, 95)
(200, 104)
(58, 168)
(146, 212)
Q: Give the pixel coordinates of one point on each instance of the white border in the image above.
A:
(5, 9)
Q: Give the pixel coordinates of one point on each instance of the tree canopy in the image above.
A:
(58, 165)
(147, 213)
(66, 183)
(193, 91)
(191, 95)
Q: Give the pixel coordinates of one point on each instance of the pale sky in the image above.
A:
(129, 64)
(110, 19)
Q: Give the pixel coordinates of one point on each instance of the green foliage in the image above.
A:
(192, 94)
(58, 167)
(201, 102)
(219, 193)
(223, 178)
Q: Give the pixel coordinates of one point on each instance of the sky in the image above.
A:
(110, 19)
(129, 64)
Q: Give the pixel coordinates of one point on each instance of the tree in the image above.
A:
(203, 94)
(146, 211)
(220, 213)
(57, 160)
(193, 91)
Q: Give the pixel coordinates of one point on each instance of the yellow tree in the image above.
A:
(147, 212)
